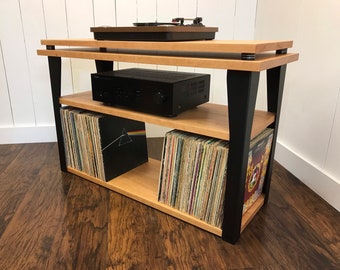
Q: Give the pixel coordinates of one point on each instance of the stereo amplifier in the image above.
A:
(165, 93)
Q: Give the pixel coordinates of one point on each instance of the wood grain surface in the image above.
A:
(55, 220)
(207, 119)
(223, 46)
(219, 54)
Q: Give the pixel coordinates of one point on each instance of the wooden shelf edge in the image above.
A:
(261, 63)
(207, 119)
(252, 211)
(236, 46)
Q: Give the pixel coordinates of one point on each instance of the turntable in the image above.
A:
(175, 30)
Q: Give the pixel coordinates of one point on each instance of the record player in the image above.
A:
(175, 30)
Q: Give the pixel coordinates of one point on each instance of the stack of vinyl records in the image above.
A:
(193, 175)
(100, 145)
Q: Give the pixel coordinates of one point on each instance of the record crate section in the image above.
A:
(100, 145)
(193, 173)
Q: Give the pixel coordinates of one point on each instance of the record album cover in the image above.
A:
(100, 145)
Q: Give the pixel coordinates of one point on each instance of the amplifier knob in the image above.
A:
(159, 97)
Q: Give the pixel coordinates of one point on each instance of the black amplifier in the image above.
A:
(165, 93)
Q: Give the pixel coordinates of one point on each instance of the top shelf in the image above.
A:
(211, 46)
(206, 53)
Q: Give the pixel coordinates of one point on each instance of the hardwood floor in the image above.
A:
(54, 220)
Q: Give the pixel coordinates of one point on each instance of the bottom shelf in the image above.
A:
(141, 184)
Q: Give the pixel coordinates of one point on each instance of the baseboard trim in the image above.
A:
(35, 134)
(325, 185)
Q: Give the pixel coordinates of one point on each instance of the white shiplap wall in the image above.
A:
(309, 134)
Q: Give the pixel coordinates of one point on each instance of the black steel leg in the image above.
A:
(54, 64)
(275, 83)
(242, 93)
(102, 65)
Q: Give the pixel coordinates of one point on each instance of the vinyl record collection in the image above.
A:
(81, 139)
(100, 145)
(193, 175)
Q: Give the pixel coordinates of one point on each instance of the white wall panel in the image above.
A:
(79, 18)
(81, 74)
(278, 20)
(56, 27)
(5, 103)
(104, 12)
(309, 129)
(312, 105)
(166, 10)
(218, 13)
(126, 12)
(218, 87)
(245, 14)
(79, 22)
(146, 10)
(15, 63)
(34, 29)
(333, 156)
(55, 19)
(187, 8)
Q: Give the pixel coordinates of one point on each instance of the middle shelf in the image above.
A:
(207, 119)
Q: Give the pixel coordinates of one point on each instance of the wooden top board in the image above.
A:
(206, 53)
(211, 46)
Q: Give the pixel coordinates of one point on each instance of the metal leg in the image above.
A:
(54, 64)
(102, 65)
(242, 92)
(275, 83)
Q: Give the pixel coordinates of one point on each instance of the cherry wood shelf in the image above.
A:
(238, 122)
(222, 46)
(207, 119)
(204, 54)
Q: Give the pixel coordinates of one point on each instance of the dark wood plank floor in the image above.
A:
(54, 220)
